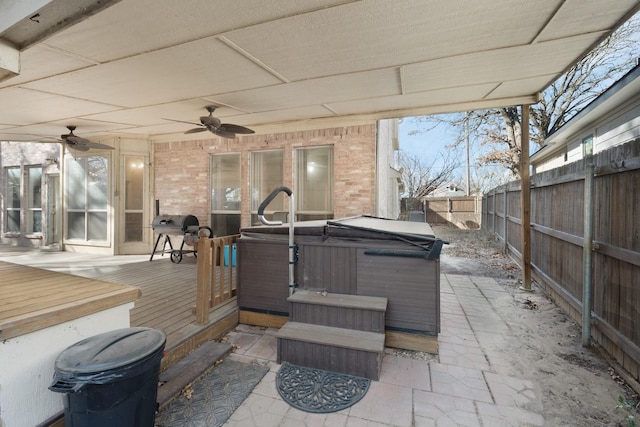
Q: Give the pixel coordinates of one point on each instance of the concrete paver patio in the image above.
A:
(506, 358)
(468, 386)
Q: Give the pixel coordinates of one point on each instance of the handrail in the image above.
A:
(292, 247)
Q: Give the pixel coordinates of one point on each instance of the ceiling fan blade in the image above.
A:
(76, 146)
(96, 145)
(76, 139)
(223, 133)
(196, 130)
(183, 121)
(235, 128)
(210, 121)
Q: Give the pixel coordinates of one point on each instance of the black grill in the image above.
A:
(185, 225)
(174, 224)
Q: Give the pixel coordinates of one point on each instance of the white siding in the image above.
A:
(624, 127)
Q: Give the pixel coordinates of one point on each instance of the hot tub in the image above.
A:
(361, 255)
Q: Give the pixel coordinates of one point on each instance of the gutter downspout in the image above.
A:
(587, 250)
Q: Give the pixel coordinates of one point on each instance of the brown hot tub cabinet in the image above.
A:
(367, 256)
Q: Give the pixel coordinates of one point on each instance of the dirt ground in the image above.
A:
(578, 386)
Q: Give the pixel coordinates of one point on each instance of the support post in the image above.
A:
(203, 274)
(525, 201)
(587, 248)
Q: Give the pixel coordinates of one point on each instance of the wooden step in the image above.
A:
(189, 369)
(363, 313)
(341, 350)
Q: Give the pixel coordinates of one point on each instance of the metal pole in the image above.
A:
(292, 247)
(525, 202)
(587, 248)
(505, 231)
(468, 165)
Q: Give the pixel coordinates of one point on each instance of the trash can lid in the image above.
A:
(109, 351)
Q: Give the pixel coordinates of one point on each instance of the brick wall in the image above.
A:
(181, 169)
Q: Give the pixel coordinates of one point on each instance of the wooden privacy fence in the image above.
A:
(216, 275)
(557, 241)
(463, 212)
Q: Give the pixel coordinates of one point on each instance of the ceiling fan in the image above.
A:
(215, 126)
(81, 144)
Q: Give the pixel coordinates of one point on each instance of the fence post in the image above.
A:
(587, 253)
(525, 200)
(493, 218)
(506, 219)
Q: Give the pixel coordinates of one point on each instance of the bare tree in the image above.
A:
(421, 178)
(499, 130)
(483, 178)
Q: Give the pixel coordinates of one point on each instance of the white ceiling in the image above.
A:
(280, 64)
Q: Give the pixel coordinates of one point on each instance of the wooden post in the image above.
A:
(525, 201)
(202, 279)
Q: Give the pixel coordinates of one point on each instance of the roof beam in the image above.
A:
(9, 60)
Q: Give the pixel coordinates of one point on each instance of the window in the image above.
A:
(314, 183)
(87, 198)
(34, 200)
(267, 175)
(12, 224)
(226, 181)
(587, 146)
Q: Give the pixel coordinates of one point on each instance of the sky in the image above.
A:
(429, 144)
(424, 143)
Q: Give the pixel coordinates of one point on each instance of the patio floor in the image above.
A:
(476, 380)
(471, 383)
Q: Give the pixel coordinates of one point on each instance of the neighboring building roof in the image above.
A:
(619, 93)
(448, 190)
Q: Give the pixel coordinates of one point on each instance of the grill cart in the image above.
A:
(187, 226)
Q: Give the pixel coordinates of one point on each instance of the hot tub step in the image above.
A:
(346, 351)
(363, 313)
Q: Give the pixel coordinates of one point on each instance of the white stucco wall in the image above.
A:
(387, 177)
(27, 365)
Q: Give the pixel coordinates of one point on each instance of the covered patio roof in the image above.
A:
(118, 68)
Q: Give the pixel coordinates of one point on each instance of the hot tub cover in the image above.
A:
(357, 226)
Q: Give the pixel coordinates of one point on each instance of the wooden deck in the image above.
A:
(34, 299)
(168, 290)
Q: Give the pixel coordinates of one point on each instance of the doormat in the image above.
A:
(318, 391)
(211, 400)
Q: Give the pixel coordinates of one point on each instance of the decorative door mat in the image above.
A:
(211, 400)
(318, 391)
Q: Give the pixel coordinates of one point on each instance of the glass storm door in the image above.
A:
(134, 222)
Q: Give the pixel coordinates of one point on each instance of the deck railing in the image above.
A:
(216, 278)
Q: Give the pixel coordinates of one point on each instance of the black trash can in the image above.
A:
(111, 379)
